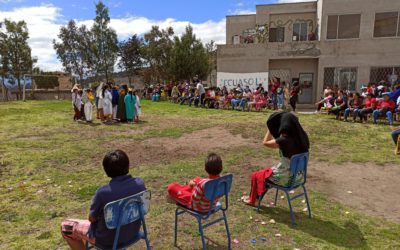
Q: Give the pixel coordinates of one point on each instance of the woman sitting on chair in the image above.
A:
(286, 134)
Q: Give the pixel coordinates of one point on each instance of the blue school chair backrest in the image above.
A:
(127, 210)
(298, 167)
(217, 188)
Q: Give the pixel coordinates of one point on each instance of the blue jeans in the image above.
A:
(382, 112)
(280, 101)
(274, 98)
(155, 97)
(356, 112)
(243, 103)
(395, 135)
(235, 103)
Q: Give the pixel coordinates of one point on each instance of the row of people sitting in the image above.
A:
(341, 103)
(235, 99)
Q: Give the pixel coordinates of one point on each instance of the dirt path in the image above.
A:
(373, 188)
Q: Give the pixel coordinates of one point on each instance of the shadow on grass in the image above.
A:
(210, 244)
(349, 236)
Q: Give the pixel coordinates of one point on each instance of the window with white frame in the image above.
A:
(343, 26)
(300, 31)
(387, 24)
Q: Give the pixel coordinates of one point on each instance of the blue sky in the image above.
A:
(45, 17)
(187, 10)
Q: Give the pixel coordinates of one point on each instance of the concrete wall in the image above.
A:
(235, 25)
(243, 58)
(363, 53)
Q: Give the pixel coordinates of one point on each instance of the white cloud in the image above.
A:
(242, 12)
(45, 21)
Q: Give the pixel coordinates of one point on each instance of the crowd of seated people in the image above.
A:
(241, 98)
(374, 101)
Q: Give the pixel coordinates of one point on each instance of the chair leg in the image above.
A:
(227, 230)
(202, 234)
(290, 208)
(276, 197)
(308, 203)
(145, 234)
(176, 227)
(259, 201)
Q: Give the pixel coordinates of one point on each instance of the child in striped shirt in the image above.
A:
(192, 195)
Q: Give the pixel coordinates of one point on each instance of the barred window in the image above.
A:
(386, 74)
(345, 78)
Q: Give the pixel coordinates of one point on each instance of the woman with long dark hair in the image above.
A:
(286, 134)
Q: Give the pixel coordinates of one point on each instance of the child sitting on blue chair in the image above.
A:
(94, 230)
(192, 195)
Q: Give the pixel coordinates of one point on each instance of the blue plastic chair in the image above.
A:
(298, 165)
(122, 212)
(213, 189)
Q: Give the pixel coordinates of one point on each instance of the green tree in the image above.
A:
(16, 37)
(131, 56)
(211, 49)
(4, 62)
(72, 50)
(188, 57)
(104, 49)
(158, 46)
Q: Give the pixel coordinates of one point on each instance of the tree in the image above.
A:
(72, 50)
(104, 48)
(46, 81)
(18, 51)
(188, 57)
(158, 46)
(131, 55)
(4, 62)
(211, 49)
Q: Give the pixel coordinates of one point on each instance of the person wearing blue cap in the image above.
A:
(386, 108)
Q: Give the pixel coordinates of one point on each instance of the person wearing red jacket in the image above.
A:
(386, 107)
(369, 106)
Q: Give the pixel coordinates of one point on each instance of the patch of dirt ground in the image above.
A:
(167, 149)
(367, 187)
(373, 189)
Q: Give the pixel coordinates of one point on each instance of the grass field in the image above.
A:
(50, 168)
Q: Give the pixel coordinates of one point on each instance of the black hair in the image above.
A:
(116, 163)
(213, 164)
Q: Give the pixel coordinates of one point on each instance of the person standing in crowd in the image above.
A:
(121, 113)
(115, 99)
(130, 102)
(280, 94)
(286, 94)
(76, 103)
(294, 95)
(87, 100)
(275, 84)
(99, 103)
(202, 92)
(138, 110)
(107, 103)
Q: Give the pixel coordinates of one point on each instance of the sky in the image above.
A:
(45, 17)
